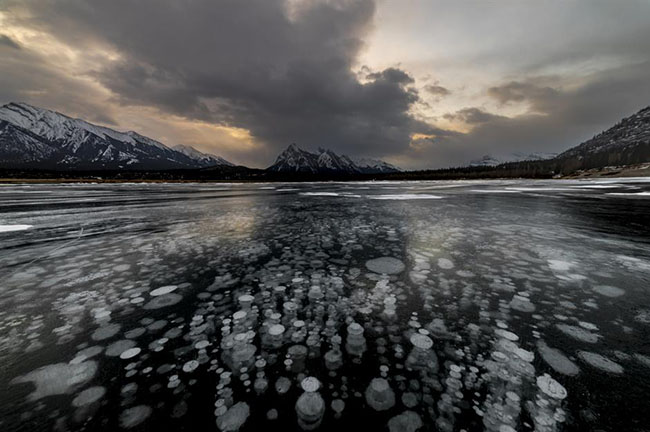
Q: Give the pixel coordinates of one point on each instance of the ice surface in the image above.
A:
(196, 298)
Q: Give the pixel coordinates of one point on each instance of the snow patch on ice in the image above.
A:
(404, 197)
(320, 193)
(11, 228)
(629, 194)
(558, 265)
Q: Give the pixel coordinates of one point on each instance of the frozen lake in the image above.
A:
(500, 306)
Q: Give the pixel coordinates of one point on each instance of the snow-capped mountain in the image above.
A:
(206, 159)
(489, 160)
(40, 138)
(294, 159)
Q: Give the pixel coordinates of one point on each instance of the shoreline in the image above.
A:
(638, 170)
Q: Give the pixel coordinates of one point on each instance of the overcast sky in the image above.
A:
(418, 83)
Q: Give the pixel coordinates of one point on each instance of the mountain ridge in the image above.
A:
(199, 155)
(625, 143)
(42, 138)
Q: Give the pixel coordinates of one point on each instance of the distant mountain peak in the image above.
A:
(489, 160)
(326, 161)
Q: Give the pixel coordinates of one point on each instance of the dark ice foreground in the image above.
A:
(500, 306)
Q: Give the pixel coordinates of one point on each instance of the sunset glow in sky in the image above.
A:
(418, 83)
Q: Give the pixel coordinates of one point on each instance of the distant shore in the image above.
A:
(53, 177)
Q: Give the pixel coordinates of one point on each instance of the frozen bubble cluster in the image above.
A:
(557, 359)
(600, 362)
(245, 307)
(609, 291)
(163, 290)
(58, 379)
(385, 265)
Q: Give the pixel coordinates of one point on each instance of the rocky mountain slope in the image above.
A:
(626, 143)
(32, 137)
(206, 159)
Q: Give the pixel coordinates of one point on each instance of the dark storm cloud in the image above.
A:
(391, 75)
(285, 75)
